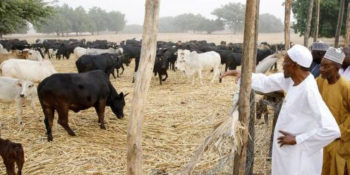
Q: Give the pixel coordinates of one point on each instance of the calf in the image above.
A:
(64, 92)
(105, 62)
(34, 71)
(18, 91)
(193, 62)
(12, 153)
(161, 65)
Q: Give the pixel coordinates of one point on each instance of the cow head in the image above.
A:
(27, 88)
(118, 104)
(182, 56)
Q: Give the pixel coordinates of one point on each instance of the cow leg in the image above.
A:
(166, 76)
(100, 110)
(266, 118)
(32, 105)
(49, 116)
(122, 70)
(160, 78)
(19, 106)
(10, 167)
(113, 74)
(20, 162)
(118, 73)
(200, 77)
(63, 120)
(215, 72)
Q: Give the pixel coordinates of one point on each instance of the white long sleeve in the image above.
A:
(266, 84)
(328, 130)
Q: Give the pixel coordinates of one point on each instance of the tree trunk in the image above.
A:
(317, 20)
(339, 23)
(142, 83)
(347, 36)
(288, 4)
(308, 24)
(0, 35)
(245, 88)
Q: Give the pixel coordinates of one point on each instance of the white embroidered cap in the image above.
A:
(301, 55)
(335, 54)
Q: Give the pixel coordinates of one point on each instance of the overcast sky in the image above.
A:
(134, 9)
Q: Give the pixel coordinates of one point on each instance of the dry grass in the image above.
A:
(178, 117)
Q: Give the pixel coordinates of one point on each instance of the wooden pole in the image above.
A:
(245, 88)
(339, 23)
(308, 24)
(142, 83)
(287, 5)
(347, 36)
(317, 20)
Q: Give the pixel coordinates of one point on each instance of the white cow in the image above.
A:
(32, 54)
(34, 71)
(79, 51)
(52, 52)
(91, 51)
(193, 62)
(3, 50)
(18, 91)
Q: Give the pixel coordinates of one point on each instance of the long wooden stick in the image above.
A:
(143, 79)
(245, 88)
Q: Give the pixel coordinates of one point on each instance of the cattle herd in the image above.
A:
(91, 87)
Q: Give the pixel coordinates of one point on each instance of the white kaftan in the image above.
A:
(303, 114)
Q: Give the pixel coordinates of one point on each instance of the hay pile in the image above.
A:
(178, 117)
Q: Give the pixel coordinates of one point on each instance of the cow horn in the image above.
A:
(126, 94)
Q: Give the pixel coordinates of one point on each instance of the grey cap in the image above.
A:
(335, 54)
(319, 46)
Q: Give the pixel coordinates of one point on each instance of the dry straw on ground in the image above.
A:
(178, 117)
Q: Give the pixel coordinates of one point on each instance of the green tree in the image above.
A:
(116, 21)
(232, 14)
(328, 17)
(270, 24)
(99, 17)
(57, 23)
(16, 13)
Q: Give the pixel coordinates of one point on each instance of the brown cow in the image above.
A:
(12, 152)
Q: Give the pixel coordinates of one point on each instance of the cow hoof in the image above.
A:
(103, 127)
(49, 138)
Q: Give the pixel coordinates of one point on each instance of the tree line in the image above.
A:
(16, 14)
(68, 20)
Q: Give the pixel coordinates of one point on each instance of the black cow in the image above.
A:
(72, 91)
(161, 65)
(105, 62)
(132, 51)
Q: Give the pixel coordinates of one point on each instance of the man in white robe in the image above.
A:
(305, 125)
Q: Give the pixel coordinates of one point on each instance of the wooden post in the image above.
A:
(347, 36)
(308, 24)
(339, 23)
(251, 128)
(287, 5)
(317, 20)
(245, 89)
(142, 83)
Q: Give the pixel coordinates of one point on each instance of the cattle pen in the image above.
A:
(178, 117)
(162, 134)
